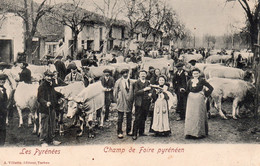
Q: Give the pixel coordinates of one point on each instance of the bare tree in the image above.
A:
(209, 39)
(110, 10)
(73, 16)
(253, 24)
(252, 19)
(154, 12)
(31, 13)
(172, 28)
(135, 18)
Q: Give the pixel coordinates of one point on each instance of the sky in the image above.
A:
(215, 17)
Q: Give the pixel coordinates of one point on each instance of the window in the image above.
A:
(83, 44)
(101, 33)
(123, 33)
(110, 32)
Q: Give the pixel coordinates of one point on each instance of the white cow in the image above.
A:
(240, 91)
(10, 86)
(163, 64)
(93, 98)
(228, 72)
(96, 72)
(203, 66)
(25, 96)
(188, 57)
(69, 92)
(38, 71)
(245, 55)
(218, 59)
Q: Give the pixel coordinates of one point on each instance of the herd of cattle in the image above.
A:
(86, 102)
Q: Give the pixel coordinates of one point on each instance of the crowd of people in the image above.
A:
(150, 92)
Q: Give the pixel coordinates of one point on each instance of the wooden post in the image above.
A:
(256, 72)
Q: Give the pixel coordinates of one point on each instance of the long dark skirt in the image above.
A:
(196, 122)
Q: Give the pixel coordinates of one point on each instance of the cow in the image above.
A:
(25, 96)
(187, 57)
(68, 93)
(240, 91)
(96, 72)
(218, 59)
(38, 71)
(87, 103)
(228, 72)
(246, 56)
(10, 86)
(203, 66)
(164, 65)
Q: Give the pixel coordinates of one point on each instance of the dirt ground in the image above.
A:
(220, 132)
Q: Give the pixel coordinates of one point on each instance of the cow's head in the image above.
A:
(249, 76)
(72, 109)
(63, 104)
(249, 98)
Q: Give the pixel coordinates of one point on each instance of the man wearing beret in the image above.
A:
(3, 109)
(142, 97)
(25, 74)
(123, 93)
(61, 69)
(179, 85)
(47, 98)
(74, 75)
(150, 73)
(86, 77)
(108, 83)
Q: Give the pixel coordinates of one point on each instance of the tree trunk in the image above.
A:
(127, 46)
(154, 45)
(170, 46)
(75, 46)
(29, 49)
(104, 51)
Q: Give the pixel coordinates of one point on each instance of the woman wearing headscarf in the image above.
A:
(160, 122)
(196, 122)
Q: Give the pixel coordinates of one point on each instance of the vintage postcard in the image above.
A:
(127, 82)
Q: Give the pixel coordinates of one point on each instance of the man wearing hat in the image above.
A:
(123, 93)
(47, 98)
(25, 74)
(85, 74)
(142, 103)
(150, 73)
(192, 63)
(74, 75)
(108, 83)
(3, 109)
(61, 69)
(179, 85)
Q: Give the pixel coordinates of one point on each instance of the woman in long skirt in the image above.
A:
(160, 124)
(196, 122)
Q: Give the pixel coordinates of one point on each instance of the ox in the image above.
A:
(25, 96)
(163, 64)
(218, 59)
(87, 103)
(187, 57)
(68, 93)
(240, 91)
(247, 56)
(228, 72)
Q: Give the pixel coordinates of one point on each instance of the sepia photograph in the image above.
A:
(134, 82)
